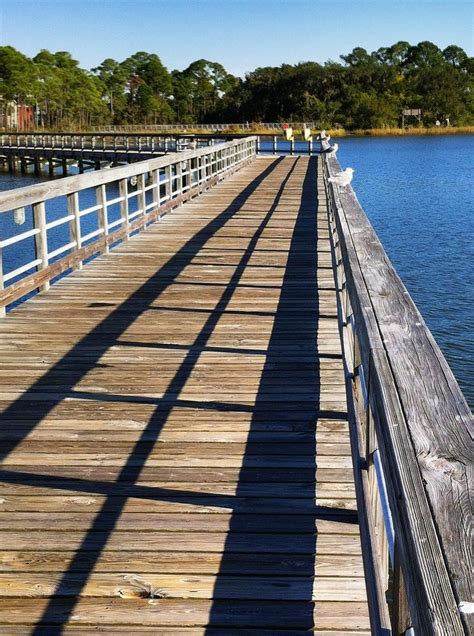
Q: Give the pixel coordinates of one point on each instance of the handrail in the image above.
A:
(129, 145)
(162, 183)
(413, 432)
(97, 146)
(160, 128)
(211, 127)
(99, 142)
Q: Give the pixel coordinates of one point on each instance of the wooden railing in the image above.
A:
(412, 429)
(135, 145)
(206, 127)
(141, 193)
(101, 142)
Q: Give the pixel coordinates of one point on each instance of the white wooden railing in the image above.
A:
(165, 182)
(411, 437)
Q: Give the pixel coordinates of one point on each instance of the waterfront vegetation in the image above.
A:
(362, 91)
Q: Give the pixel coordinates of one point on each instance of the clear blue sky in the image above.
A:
(241, 34)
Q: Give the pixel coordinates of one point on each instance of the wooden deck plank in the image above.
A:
(174, 416)
(186, 613)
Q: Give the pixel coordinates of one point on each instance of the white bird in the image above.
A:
(332, 150)
(322, 134)
(343, 178)
(325, 145)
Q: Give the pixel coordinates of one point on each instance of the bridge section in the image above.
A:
(36, 152)
(176, 453)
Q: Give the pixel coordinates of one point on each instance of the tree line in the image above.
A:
(362, 90)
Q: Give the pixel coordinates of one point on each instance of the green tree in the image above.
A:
(113, 77)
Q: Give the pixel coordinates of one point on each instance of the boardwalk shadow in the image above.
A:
(286, 545)
(86, 354)
(83, 357)
(288, 394)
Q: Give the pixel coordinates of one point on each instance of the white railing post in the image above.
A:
(141, 195)
(75, 224)
(155, 192)
(179, 179)
(3, 306)
(189, 183)
(102, 214)
(41, 239)
(168, 183)
(123, 191)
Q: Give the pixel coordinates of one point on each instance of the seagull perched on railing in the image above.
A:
(325, 144)
(343, 178)
(331, 150)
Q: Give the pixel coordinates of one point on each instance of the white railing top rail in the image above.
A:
(20, 197)
(73, 219)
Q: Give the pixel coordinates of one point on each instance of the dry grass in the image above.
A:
(256, 129)
(341, 132)
(399, 132)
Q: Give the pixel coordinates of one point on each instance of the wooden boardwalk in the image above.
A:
(175, 448)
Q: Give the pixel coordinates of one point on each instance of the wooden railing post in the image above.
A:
(179, 179)
(75, 223)
(401, 621)
(189, 173)
(155, 192)
(168, 183)
(123, 190)
(3, 306)
(102, 214)
(141, 182)
(41, 239)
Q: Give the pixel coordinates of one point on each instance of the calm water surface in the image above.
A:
(418, 194)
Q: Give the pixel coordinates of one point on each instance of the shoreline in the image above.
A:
(403, 132)
(256, 130)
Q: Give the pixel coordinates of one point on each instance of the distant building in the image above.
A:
(14, 116)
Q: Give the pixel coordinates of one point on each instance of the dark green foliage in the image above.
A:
(364, 90)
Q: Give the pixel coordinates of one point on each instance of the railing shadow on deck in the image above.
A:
(61, 606)
(100, 340)
(293, 339)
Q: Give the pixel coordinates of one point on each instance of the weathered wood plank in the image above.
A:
(285, 588)
(185, 613)
(187, 425)
(411, 390)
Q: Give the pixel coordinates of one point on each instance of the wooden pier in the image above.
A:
(61, 153)
(47, 152)
(192, 423)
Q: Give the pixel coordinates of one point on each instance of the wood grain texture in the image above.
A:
(176, 453)
(423, 424)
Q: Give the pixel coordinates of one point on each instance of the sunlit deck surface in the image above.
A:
(175, 446)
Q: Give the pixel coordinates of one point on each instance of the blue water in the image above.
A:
(418, 194)
(18, 254)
